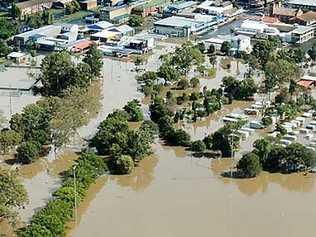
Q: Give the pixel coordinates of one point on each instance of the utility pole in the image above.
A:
(75, 190)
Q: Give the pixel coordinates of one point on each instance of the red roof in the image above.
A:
(269, 19)
(305, 83)
(81, 45)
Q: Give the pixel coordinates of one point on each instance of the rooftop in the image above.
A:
(303, 2)
(283, 11)
(176, 21)
(302, 30)
(308, 16)
(31, 3)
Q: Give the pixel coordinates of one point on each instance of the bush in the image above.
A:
(179, 137)
(135, 21)
(267, 121)
(134, 111)
(198, 146)
(194, 82)
(249, 165)
(183, 84)
(28, 152)
(212, 72)
(124, 165)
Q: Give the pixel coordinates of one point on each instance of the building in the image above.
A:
(17, 57)
(140, 44)
(178, 7)
(306, 19)
(34, 6)
(239, 43)
(88, 4)
(253, 28)
(215, 8)
(80, 46)
(99, 26)
(123, 30)
(252, 4)
(286, 14)
(20, 40)
(305, 5)
(302, 34)
(117, 14)
(182, 26)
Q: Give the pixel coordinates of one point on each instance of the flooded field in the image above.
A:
(172, 194)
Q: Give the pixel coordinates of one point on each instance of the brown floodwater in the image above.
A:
(172, 194)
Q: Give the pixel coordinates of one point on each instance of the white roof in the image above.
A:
(16, 55)
(103, 24)
(125, 28)
(104, 34)
(303, 2)
(250, 24)
(309, 78)
(176, 21)
(214, 40)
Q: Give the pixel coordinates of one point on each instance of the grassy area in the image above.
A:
(60, 17)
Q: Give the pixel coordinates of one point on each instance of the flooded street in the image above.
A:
(171, 194)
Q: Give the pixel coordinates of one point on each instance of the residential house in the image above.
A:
(215, 8)
(286, 14)
(302, 34)
(306, 19)
(34, 6)
(99, 26)
(88, 4)
(178, 7)
(254, 28)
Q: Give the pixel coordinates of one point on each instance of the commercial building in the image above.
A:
(183, 26)
(252, 28)
(20, 40)
(302, 34)
(305, 5)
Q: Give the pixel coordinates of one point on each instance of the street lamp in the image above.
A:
(75, 190)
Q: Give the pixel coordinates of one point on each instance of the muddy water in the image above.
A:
(171, 194)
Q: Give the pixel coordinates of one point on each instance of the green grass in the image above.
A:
(73, 18)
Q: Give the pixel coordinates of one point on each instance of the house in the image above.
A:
(307, 81)
(17, 57)
(183, 26)
(69, 33)
(302, 34)
(34, 6)
(305, 5)
(80, 46)
(178, 7)
(286, 14)
(253, 28)
(123, 30)
(115, 13)
(99, 26)
(239, 43)
(105, 35)
(87, 4)
(215, 8)
(20, 40)
(306, 19)
(141, 44)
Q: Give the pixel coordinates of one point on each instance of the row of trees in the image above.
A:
(239, 90)
(272, 157)
(51, 220)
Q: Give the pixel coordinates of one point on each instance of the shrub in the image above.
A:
(198, 146)
(194, 82)
(28, 152)
(267, 121)
(249, 165)
(124, 164)
(183, 84)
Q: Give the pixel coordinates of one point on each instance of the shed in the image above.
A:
(17, 57)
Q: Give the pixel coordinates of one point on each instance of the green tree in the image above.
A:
(15, 11)
(4, 48)
(201, 47)
(249, 165)
(225, 48)
(211, 49)
(198, 146)
(94, 59)
(168, 72)
(34, 230)
(134, 111)
(28, 152)
(124, 164)
(212, 60)
(12, 193)
(183, 84)
(135, 21)
(7, 28)
(194, 82)
(267, 121)
(8, 140)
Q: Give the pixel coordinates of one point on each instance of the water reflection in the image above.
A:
(141, 177)
(298, 182)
